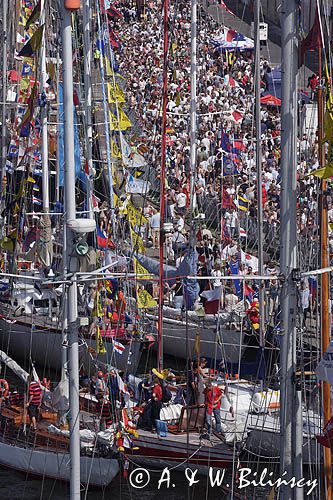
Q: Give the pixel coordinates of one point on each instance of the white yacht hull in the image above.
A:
(226, 345)
(94, 471)
(264, 439)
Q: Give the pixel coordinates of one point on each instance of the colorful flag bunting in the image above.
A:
(35, 15)
(34, 44)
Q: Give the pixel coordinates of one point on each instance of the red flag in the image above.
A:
(313, 41)
(113, 40)
(225, 234)
(227, 201)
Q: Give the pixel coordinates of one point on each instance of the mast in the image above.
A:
(88, 95)
(45, 146)
(162, 198)
(259, 173)
(106, 112)
(4, 89)
(71, 296)
(193, 111)
(324, 289)
(291, 410)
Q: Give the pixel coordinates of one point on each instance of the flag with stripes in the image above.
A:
(118, 347)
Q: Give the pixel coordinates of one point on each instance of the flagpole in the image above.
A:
(88, 98)
(106, 112)
(4, 91)
(71, 295)
(162, 182)
(324, 289)
(291, 409)
(259, 181)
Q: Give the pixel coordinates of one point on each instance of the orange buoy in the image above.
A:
(72, 4)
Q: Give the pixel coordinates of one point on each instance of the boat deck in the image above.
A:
(193, 438)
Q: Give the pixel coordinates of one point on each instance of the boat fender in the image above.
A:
(4, 387)
(72, 4)
(19, 311)
(126, 467)
(120, 441)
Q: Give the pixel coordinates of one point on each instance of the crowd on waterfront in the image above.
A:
(225, 187)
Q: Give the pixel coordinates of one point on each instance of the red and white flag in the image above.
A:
(118, 347)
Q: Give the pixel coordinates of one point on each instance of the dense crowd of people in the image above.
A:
(225, 177)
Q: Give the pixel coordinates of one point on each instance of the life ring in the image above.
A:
(4, 387)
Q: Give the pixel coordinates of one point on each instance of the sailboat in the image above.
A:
(31, 317)
(46, 451)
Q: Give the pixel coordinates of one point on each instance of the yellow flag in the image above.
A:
(22, 21)
(100, 347)
(323, 173)
(98, 309)
(108, 69)
(115, 152)
(25, 84)
(124, 122)
(137, 242)
(115, 94)
(141, 271)
(145, 300)
(31, 179)
(135, 216)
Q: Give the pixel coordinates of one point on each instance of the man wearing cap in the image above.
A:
(100, 388)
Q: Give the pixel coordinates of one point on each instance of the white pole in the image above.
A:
(193, 108)
(291, 408)
(72, 316)
(259, 175)
(88, 97)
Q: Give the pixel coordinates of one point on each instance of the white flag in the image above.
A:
(325, 366)
(137, 186)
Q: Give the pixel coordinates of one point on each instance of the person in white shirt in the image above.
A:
(305, 300)
(181, 201)
(155, 228)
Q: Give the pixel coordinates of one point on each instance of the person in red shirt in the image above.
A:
(156, 402)
(213, 396)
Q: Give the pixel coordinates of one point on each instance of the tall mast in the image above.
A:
(70, 210)
(324, 289)
(291, 410)
(87, 49)
(259, 172)
(4, 89)
(106, 112)
(193, 110)
(162, 197)
(45, 145)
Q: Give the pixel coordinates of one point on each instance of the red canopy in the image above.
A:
(270, 100)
